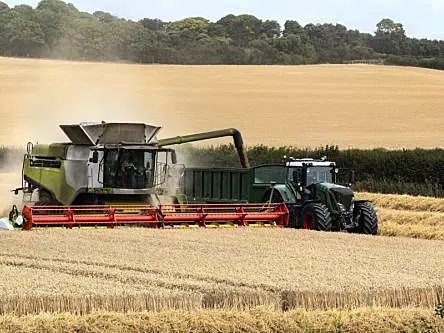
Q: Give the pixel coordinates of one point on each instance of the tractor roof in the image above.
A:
(309, 161)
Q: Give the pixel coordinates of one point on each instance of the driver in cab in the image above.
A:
(131, 170)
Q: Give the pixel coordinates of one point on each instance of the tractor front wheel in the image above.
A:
(315, 216)
(365, 214)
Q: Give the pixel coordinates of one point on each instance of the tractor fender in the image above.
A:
(286, 194)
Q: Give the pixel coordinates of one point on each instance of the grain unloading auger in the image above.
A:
(114, 174)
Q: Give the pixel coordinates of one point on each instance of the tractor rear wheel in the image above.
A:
(316, 216)
(365, 214)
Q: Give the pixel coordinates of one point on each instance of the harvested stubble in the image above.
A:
(404, 202)
(258, 320)
(82, 271)
(408, 216)
(428, 225)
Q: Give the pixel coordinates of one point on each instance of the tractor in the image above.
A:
(308, 187)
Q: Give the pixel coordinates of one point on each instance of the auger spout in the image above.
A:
(237, 139)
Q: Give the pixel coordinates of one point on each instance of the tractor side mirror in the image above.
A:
(95, 157)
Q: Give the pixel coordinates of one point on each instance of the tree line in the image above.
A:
(55, 29)
(404, 171)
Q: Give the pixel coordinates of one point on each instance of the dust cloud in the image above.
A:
(40, 95)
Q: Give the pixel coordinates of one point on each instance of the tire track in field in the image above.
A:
(141, 281)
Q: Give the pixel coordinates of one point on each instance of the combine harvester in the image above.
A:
(119, 174)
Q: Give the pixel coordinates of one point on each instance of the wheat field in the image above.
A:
(228, 280)
(84, 271)
(349, 105)
(258, 320)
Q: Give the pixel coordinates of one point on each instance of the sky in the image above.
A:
(421, 18)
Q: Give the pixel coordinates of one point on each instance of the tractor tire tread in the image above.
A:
(368, 220)
(321, 215)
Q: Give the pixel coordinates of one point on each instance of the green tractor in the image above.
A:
(318, 202)
(308, 187)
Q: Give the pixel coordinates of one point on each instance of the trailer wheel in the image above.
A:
(315, 216)
(365, 214)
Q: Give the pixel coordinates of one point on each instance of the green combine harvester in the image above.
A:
(113, 174)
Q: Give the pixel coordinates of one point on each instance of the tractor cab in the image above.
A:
(305, 172)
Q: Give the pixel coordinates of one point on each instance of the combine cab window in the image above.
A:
(110, 168)
(129, 169)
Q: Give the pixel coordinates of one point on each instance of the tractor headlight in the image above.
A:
(341, 206)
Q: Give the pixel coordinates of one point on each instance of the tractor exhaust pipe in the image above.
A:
(237, 139)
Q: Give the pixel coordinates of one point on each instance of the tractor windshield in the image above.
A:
(129, 169)
(319, 175)
(315, 174)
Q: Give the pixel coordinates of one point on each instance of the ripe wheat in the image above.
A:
(258, 320)
(266, 103)
(82, 271)
(404, 202)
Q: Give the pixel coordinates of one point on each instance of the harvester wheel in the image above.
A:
(365, 213)
(315, 216)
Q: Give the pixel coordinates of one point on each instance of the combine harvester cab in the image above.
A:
(114, 174)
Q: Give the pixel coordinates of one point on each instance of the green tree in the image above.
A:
(54, 18)
(90, 39)
(57, 29)
(389, 37)
(22, 35)
(104, 17)
(5, 17)
(271, 29)
(129, 41)
(293, 28)
(187, 31)
(153, 24)
(216, 30)
(241, 29)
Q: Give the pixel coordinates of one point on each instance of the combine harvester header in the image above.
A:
(169, 215)
(113, 174)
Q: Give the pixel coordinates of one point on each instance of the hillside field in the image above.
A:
(239, 280)
(349, 105)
